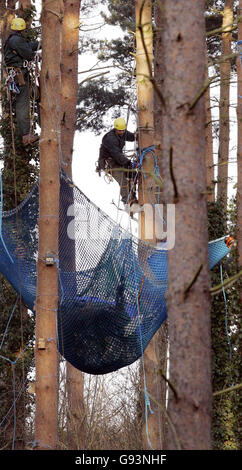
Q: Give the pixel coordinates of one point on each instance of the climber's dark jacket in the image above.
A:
(111, 150)
(17, 50)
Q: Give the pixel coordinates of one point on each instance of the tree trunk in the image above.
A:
(158, 76)
(239, 157)
(24, 4)
(47, 284)
(76, 410)
(162, 336)
(144, 58)
(184, 174)
(223, 153)
(69, 89)
(209, 145)
(69, 82)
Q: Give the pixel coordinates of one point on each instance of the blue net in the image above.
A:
(111, 285)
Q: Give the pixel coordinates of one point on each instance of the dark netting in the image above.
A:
(111, 285)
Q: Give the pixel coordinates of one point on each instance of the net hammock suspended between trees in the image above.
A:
(111, 285)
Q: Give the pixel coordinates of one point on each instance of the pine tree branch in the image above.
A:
(93, 76)
(224, 285)
(186, 290)
(224, 28)
(60, 16)
(227, 390)
(176, 195)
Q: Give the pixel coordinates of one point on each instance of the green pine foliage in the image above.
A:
(106, 95)
(20, 170)
(226, 358)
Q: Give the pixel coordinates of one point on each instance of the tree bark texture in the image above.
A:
(225, 68)
(69, 82)
(144, 76)
(46, 424)
(239, 150)
(209, 144)
(184, 176)
(76, 409)
(145, 99)
(162, 336)
(24, 4)
(158, 76)
(69, 89)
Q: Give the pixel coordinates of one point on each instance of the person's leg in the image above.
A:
(22, 110)
(122, 180)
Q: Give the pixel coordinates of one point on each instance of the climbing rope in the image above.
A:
(226, 312)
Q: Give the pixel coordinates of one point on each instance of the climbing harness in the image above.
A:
(15, 78)
(10, 81)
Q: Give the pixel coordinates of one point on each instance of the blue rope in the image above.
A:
(146, 150)
(9, 320)
(1, 214)
(226, 312)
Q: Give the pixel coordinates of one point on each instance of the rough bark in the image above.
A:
(158, 76)
(209, 145)
(223, 154)
(162, 336)
(46, 423)
(69, 82)
(239, 151)
(24, 4)
(69, 89)
(144, 58)
(76, 409)
(184, 173)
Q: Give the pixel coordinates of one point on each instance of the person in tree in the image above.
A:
(112, 159)
(16, 51)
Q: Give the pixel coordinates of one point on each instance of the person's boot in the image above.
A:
(29, 139)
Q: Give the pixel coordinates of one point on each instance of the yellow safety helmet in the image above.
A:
(120, 124)
(18, 24)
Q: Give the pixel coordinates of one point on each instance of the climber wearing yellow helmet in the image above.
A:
(16, 51)
(112, 158)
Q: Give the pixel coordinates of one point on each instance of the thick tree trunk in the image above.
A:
(69, 82)
(76, 410)
(158, 76)
(47, 285)
(162, 336)
(144, 74)
(184, 173)
(223, 154)
(144, 60)
(24, 4)
(69, 89)
(239, 164)
(209, 145)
